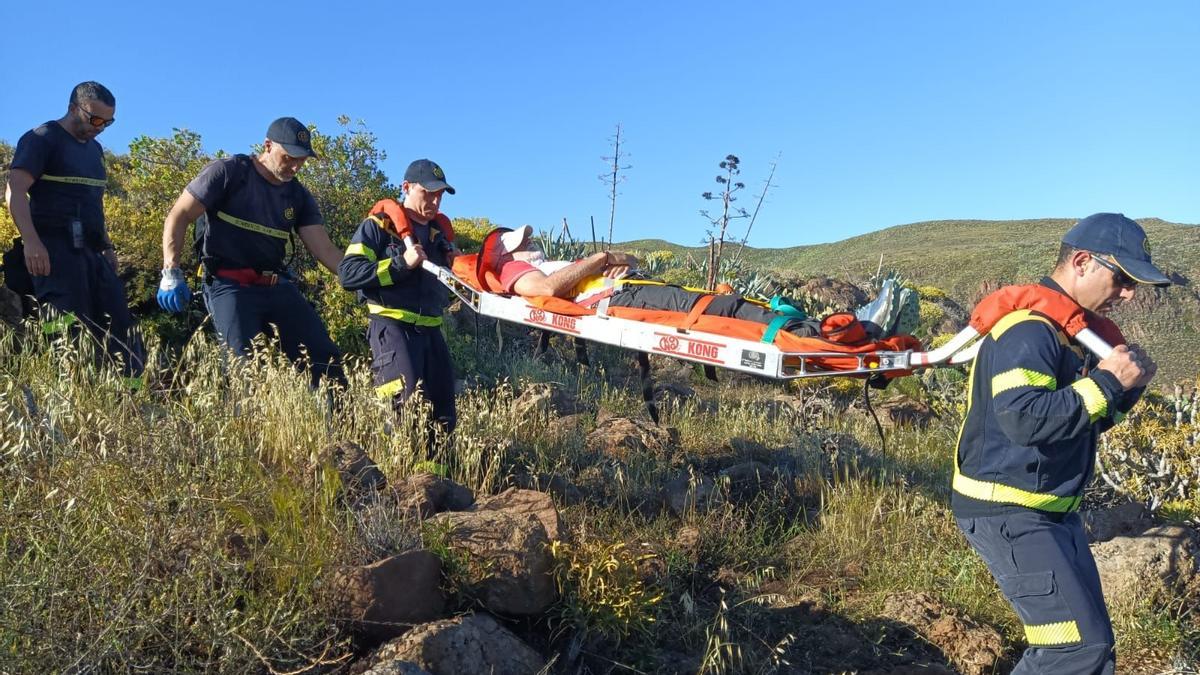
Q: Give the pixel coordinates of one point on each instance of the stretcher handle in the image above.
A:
(963, 347)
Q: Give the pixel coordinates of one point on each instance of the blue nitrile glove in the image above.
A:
(173, 292)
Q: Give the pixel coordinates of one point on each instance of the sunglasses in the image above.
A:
(1119, 276)
(96, 120)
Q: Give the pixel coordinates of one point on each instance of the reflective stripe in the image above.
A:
(383, 224)
(1013, 318)
(134, 383)
(74, 180)
(1061, 633)
(253, 227)
(1022, 377)
(404, 315)
(383, 270)
(1006, 494)
(59, 324)
(1093, 398)
(361, 249)
(389, 389)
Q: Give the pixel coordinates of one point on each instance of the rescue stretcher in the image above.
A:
(770, 360)
(786, 357)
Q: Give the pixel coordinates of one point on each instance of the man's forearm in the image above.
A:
(570, 276)
(172, 244)
(18, 206)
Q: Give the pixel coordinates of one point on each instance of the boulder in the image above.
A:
(522, 502)
(361, 478)
(903, 411)
(395, 668)
(425, 494)
(1124, 520)
(973, 648)
(618, 437)
(12, 311)
(460, 646)
(509, 570)
(558, 486)
(542, 399)
(1155, 564)
(690, 492)
(386, 598)
(744, 482)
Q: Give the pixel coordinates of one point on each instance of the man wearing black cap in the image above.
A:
(406, 303)
(55, 193)
(249, 208)
(1027, 449)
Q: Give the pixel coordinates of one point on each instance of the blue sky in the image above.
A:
(881, 112)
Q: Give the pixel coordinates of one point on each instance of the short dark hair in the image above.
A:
(1065, 251)
(92, 91)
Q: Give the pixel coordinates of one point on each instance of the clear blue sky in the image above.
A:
(885, 112)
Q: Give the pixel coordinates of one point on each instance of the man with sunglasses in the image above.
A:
(249, 211)
(1027, 448)
(55, 193)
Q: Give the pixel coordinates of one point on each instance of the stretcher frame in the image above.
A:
(710, 349)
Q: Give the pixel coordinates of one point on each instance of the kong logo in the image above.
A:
(568, 324)
(537, 316)
(669, 343)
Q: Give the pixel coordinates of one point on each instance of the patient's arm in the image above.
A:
(565, 280)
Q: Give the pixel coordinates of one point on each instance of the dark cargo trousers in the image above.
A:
(407, 358)
(83, 287)
(240, 312)
(1044, 567)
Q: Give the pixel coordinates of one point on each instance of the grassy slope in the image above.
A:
(959, 255)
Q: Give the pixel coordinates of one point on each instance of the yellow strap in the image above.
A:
(1021, 377)
(1093, 398)
(1006, 494)
(361, 249)
(253, 227)
(404, 315)
(1048, 634)
(383, 270)
(75, 180)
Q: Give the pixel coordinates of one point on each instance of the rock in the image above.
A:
(906, 412)
(12, 311)
(425, 494)
(510, 563)
(973, 648)
(617, 437)
(690, 492)
(745, 481)
(562, 489)
(833, 293)
(1124, 520)
(384, 599)
(460, 646)
(567, 425)
(361, 478)
(1153, 564)
(396, 668)
(540, 399)
(521, 502)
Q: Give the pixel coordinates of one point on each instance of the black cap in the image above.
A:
(427, 174)
(292, 135)
(1121, 238)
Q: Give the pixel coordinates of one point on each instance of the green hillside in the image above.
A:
(961, 256)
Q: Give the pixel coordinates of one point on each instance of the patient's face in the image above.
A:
(530, 253)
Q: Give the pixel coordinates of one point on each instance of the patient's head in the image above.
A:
(521, 246)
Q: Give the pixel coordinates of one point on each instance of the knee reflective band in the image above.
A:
(77, 180)
(390, 389)
(59, 324)
(404, 315)
(1053, 634)
(1093, 398)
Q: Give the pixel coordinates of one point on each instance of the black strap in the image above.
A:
(581, 353)
(643, 360)
(710, 373)
(543, 343)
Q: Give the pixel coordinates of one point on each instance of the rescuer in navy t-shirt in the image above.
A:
(55, 193)
(251, 210)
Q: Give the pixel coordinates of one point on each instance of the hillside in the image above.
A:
(961, 256)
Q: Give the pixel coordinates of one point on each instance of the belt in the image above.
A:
(415, 318)
(248, 276)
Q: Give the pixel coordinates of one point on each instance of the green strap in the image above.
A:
(773, 327)
(785, 305)
(74, 180)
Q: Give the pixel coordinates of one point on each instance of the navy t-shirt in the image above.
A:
(69, 180)
(250, 219)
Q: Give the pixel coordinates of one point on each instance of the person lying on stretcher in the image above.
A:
(524, 270)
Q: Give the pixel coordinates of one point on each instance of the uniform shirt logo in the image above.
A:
(289, 213)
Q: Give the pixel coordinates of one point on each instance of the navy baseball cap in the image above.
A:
(292, 135)
(1122, 239)
(427, 174)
